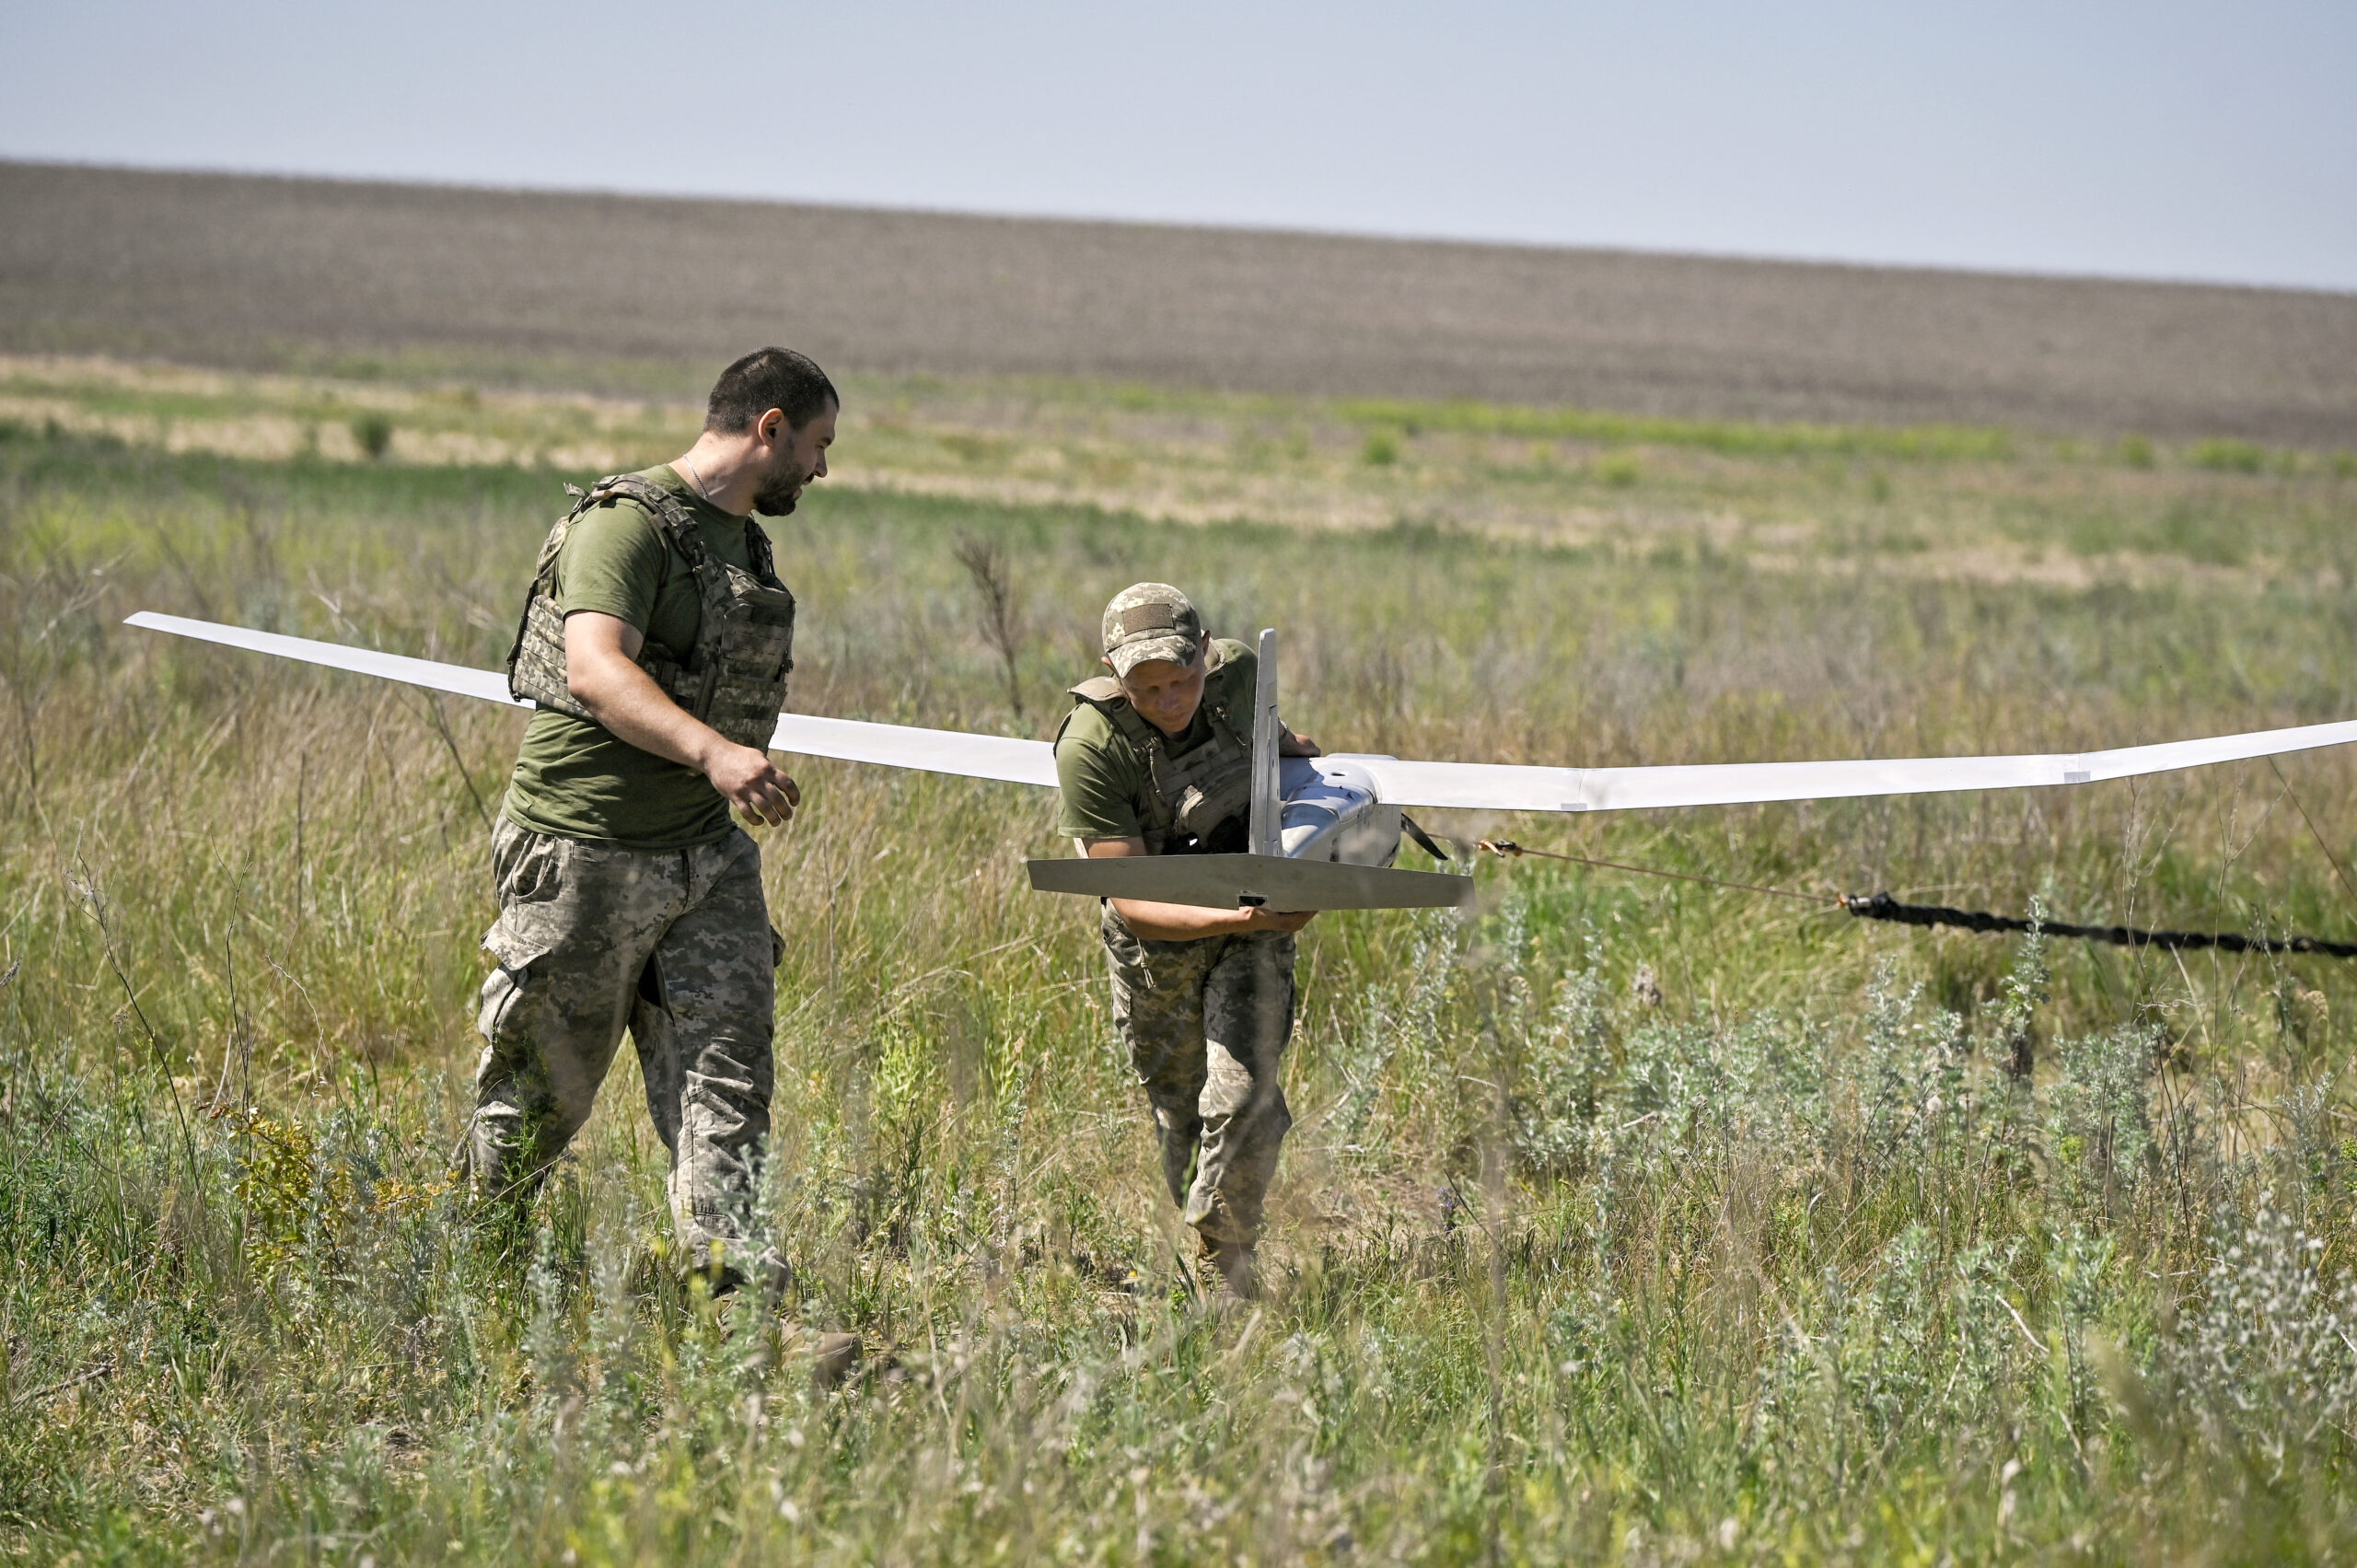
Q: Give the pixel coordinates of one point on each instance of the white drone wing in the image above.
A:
(1477, 786)
(894, 746)
(1484, 786)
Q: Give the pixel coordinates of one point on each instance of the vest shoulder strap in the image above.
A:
(1226, 695)
(661, 505)
(757, 550)
(1222, 695)
(679, 524)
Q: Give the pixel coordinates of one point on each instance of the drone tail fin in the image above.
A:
(1267, 823)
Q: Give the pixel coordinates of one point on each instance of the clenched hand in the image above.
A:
(754, 784)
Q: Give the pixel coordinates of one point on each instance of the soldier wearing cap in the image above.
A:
(1155, 759)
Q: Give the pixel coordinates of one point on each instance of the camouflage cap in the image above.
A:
(1151, 621)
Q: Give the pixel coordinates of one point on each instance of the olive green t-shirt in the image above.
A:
(1101, 775)
(574, 778)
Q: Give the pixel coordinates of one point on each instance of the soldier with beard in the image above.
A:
(656, 639)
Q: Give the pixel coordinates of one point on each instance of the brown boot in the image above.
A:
(834, 1359)
(769, 1275)
(1235, 1271)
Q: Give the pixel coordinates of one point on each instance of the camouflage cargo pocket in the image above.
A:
(504, 988)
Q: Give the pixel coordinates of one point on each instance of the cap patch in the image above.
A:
(1148, 617)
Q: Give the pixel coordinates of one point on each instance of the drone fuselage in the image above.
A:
(1333, 811)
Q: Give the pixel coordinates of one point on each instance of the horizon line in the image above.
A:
(1196, 226)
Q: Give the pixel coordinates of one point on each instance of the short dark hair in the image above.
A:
(764, 379)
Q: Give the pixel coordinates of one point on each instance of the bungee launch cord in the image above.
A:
(1881, 906)
(1507, 847)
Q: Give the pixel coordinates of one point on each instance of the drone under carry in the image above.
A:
(1324, 830)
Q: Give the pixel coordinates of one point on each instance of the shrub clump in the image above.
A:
(373, 433)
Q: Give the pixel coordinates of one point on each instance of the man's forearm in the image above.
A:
(603, 673)
(624, 699)
(1158, 921)
(1178, 923)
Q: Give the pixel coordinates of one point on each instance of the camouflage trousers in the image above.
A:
(1207, 1023)
(674, 945)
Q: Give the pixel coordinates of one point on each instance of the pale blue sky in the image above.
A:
(2162, 140)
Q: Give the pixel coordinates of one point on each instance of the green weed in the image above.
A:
(2226, 457)
(373, 435)
(1618, 469)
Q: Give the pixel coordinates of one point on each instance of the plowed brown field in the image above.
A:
(258, 270)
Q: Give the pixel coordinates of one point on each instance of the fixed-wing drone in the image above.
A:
(1324, 830)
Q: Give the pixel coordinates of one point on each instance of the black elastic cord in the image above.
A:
(1881, 906)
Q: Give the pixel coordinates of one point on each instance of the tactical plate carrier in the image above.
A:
(735, 677)
(1197, 803)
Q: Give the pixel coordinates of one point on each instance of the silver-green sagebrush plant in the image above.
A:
(1621, 1222)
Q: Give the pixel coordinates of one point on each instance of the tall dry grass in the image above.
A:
(1774, 1259)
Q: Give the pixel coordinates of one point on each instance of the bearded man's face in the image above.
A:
(800, 455)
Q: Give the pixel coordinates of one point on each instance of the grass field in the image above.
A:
(1624, 1219)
